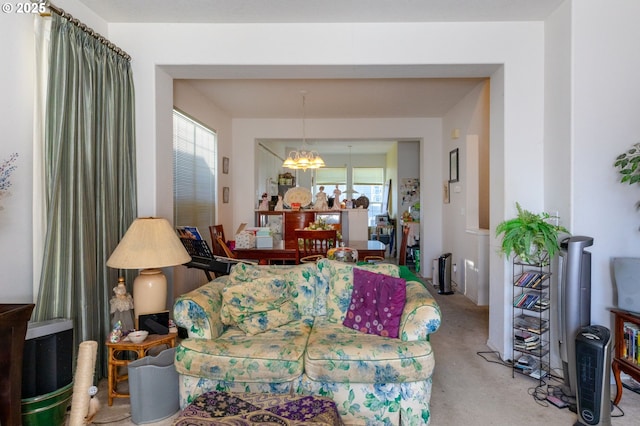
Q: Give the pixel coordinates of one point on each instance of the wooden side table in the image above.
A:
(620, 362)
(140, 349)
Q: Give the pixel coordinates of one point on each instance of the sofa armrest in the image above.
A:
(199, 310)
(421, 315)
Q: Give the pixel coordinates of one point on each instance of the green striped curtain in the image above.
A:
(90, 180)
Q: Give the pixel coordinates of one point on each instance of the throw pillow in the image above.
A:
(301, 280)
(259, 322)
(259, 305)
(376, 303)
(339, 276)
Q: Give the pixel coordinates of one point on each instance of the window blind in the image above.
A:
(194, 173)
(331, 176)
(368, 175)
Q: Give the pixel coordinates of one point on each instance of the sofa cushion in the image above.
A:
(376, 304)
(338, 354)
(339, 275)
(273, 356)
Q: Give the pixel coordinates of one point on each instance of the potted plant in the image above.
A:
(530, 236)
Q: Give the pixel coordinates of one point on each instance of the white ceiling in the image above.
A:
(282, 11)
(352, 92)
(336, 98)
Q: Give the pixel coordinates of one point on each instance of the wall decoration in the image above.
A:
(225, 165)
(410, 190)
(386, 197)
(6, 168)
(445, 192)
(453, 165)
(225, 194)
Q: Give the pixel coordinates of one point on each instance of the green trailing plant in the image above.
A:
(627, 164)
(530, 236)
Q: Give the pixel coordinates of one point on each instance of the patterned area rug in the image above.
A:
(223, 408)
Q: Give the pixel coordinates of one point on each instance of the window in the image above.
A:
(329, 177)
(194, 173)
(369, 181)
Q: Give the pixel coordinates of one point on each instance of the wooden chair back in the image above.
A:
(217, 231)
(402, 255)
(312, 245)
(225, 248)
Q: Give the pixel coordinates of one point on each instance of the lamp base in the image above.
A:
(149, 293)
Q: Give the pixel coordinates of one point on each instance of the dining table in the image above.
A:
(279, 252)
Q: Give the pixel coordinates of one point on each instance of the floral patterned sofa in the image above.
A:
(290, 338)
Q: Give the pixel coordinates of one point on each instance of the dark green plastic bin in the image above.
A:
(49, 409)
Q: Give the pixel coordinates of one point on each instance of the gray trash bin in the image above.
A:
(153, 387)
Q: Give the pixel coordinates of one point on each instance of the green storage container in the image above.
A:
(49, 409)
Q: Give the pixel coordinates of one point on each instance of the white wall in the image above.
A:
(558, 124)
(471, 118)
(16, 127)
(16, 86)
(605, 109)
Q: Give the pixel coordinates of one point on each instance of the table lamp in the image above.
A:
(149, 244)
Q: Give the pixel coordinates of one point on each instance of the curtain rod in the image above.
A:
(86, 29)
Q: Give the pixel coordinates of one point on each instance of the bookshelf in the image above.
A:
(531, 304)
(626, 354)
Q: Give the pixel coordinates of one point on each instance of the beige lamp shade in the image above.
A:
(149, 244)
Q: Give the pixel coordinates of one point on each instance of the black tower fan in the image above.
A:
(593, 360)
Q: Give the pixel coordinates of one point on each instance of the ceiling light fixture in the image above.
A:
(304, 158)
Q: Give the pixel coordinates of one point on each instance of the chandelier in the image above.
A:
(303, 158)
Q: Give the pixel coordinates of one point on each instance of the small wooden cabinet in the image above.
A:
(622, 360)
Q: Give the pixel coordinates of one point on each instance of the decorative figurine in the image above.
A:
(122, 307)
(264, 204)
(116, 333)
(279, 205)
(336, 198)
(321, 200)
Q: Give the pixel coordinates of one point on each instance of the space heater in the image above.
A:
(593, 361)
(574, 302)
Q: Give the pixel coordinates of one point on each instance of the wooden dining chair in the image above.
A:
(402, 256)
(313, 245)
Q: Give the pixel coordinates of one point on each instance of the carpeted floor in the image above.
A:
(467, 389)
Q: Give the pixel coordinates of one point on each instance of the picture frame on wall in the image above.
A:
(225, 195)
(453, 165)
(225, 165)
